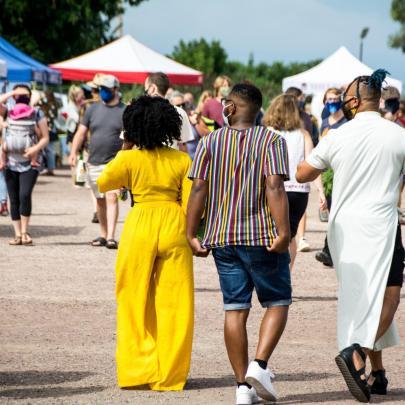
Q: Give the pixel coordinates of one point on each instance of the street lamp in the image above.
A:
(363, 34)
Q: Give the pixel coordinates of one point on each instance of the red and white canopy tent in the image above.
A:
(128, 60)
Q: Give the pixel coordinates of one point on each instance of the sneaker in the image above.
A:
(246, 396)
(260, 380)
(303, 245)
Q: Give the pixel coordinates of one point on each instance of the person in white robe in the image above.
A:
(367, 155)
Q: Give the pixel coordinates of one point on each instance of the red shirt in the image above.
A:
(213, 110)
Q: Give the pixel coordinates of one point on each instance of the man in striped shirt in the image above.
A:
(238, 179)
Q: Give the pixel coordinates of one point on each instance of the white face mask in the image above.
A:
(225, 117)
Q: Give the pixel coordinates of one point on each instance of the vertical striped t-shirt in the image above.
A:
(236, 164)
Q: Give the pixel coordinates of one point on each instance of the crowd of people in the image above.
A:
(224, 175)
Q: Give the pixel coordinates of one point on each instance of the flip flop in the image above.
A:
(16, 241)
(111, 244)
(100, 241)
(357, 386)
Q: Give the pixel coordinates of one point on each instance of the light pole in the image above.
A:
(363, 34)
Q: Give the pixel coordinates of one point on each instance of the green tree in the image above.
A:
(398, 14)
(53, 30)
(209, 58)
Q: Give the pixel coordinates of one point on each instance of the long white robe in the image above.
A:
(367, 155)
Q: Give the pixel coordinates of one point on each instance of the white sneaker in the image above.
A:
(303, 245)
(261, 380)
(246, 396)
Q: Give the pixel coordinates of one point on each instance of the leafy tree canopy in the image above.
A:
(212, 60)
(398, 14)
(54, 30)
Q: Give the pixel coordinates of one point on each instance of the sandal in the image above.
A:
(16, 241)
(26, 239)
(380, 382)
(111, 244)
(357, 386)
(100, 241)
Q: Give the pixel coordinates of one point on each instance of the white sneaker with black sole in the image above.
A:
(246, 396)
(260, 380)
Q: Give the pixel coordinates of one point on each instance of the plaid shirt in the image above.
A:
(236, 164)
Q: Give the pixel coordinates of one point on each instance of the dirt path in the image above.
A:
(58, 319)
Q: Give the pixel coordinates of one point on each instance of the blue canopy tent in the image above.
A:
(22, 68)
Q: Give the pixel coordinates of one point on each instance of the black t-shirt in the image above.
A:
(105, 125)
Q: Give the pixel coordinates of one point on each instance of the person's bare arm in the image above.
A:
(278, 204)
(309, 146)
(78, 140)
(306, 172)
(43, 136)
(195, 210)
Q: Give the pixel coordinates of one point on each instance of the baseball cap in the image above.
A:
(108, 81)
(96, 81)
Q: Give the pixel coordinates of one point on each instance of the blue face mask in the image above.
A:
(106, 95)
(333, 107)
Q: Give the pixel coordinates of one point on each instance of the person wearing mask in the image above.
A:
(308, 125)
(50, 107)
(93, 85)
(104, 121)
(21, 172)
(335, 119)
(282, 117)
(213, 108)
(248, 231)
(189, 101)
(157, 85)
(154, 269)
(390, 104)
(367, 155)
(198, 127)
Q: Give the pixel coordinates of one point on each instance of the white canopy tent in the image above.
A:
(130, 61)
(3, 69)
(338, 70)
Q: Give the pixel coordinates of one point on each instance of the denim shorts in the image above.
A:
(244, 268)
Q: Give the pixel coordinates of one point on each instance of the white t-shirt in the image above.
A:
(186, 130)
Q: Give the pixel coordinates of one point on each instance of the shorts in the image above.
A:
(93, 173)
(297, 205)
(244, 268)
(396, 274)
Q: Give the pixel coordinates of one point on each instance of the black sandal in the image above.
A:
(380, 383)
(111, 244)
(357, 386)
(100, 241)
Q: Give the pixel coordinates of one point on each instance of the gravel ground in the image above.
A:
(57, 335)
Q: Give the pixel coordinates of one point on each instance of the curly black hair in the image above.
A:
(151, 122)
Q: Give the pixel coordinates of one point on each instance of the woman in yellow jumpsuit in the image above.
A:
(154, 269)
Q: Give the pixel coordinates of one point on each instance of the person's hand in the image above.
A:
(323, 204)
(197, 249)
(30, 152)
(280, 244)
(72, 160)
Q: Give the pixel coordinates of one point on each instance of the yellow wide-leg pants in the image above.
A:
(155, 298)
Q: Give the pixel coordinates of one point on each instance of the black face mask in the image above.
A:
(23, 99)
(348, 112)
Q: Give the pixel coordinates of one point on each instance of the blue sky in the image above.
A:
(284, 30)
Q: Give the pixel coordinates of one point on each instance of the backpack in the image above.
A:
(20, 134)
